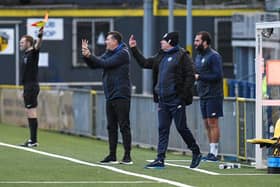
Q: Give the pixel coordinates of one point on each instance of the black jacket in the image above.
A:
(116, 80)
(184, 73)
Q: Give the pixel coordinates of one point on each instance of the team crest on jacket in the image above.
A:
(203, 60)
(25, 60)
(169, 59)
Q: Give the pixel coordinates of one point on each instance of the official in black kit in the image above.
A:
(29, 80)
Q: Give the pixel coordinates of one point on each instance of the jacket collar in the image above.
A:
(172, 50)
(205, 51)
(120, 46)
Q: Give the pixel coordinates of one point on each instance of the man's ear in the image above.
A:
(34, 42)
(204, 43)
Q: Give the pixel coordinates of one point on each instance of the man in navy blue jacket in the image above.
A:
(116, 84)
(173, 78)
(209, 76)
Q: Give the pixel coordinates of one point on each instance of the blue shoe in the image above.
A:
(204, 158)
(210, 157)
(156, 164)
(196, 158)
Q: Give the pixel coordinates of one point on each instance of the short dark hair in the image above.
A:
(205, 36)
(29, 39)
(116, 35)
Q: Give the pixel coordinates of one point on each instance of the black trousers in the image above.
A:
(118, 116)
(168, 110)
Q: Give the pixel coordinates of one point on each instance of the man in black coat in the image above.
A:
(173, 79)
(116, 84)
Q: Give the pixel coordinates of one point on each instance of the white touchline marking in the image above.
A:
(214, 173)
(202, 161)
(174, 183)
(76, 182)
(194, 169)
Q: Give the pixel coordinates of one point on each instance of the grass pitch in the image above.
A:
(21, 167)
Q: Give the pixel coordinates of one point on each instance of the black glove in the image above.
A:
(40, 35)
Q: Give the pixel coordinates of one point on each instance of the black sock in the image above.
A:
(33, 124)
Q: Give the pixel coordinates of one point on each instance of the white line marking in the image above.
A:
(194, 169)
(76, 182)
(215, 173)
(202, 161)
(174, 183)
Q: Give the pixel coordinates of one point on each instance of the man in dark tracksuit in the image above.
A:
(116, 84)
(209, 76)
(173, 78)
(30, 83)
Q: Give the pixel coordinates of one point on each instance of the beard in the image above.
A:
(200, 48)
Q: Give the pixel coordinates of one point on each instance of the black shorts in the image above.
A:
(30, 94)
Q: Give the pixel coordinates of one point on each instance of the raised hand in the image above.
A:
(132, 41)
(85, 49)
(84, 44)
(40, 38)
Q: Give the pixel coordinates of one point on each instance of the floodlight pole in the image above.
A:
(147, 44)
(171, 15)
(189, 26)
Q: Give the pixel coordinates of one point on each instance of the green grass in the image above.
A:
(20, 165)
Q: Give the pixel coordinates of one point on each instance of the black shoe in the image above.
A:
(196, 158)
(127, 160)
(156, 164)
(29, 143)
(109, 160)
